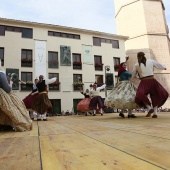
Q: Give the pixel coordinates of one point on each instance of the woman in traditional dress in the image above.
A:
(29, 100)
(123, 95)
(83, 105)
(42, 103)
(12, 109)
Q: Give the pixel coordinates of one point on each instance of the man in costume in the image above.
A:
(149, 85)
(96, 100)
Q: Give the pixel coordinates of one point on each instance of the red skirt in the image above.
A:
(29, 100)
(83, 105)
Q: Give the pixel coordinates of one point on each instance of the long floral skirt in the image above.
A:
(122, 96)
(13, 112)
(83, 105)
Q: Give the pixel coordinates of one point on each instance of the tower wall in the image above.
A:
(145, 23)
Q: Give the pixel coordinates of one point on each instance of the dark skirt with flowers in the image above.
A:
(42, 104)
(157, 93)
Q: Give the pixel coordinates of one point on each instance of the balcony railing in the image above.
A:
(26, 62)
(78, 85)
(54, 86)
(53, 64)
(116, 67)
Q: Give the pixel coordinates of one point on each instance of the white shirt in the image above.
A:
(97, 91)
(147, 70)
(49, 81)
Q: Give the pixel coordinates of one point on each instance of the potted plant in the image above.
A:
(116, 67)
(99, 64)
(77, 63)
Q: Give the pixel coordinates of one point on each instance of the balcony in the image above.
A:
(78, 86)
(26, 62)
(116, 67)
(53, 64)
(77, 65)
(99, 66)
(54, 86)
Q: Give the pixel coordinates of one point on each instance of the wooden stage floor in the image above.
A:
(80, 142)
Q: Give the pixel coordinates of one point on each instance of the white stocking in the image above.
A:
(44, 116)
(155, 110)
(129, 111)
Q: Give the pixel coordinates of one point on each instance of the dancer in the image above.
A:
(42, 103)
(83, 105)
(12, 110)
(96, 99)
(123, 95)
(149, 85)
(29, 100)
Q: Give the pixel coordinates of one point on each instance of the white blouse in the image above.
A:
(144, 71)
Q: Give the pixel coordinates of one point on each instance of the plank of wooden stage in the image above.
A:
(105, 143)
(20, 150)
(89, 143)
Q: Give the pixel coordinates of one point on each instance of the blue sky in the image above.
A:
(95, 15)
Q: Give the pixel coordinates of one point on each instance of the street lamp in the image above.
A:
(107, 68)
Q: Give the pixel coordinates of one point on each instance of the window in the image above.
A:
(27, 33)
(76, 36)
(26, 58)
(96, 41)
(50, 33)
(108, 41)
(9, 28)
(77, 64)
(115, 44)
(26, 77)
(116, 62)
(57, 34)
(2, 30)
(77, 81)
(99, 80)
(70, 36)
(63, 34)
(98, 63)
(52, 59)
(55, 85)
(2, 56)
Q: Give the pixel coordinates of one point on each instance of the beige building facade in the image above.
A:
(144, 22)
(73, 55)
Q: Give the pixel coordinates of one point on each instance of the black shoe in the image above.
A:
(32, 118)
(121, 114)
(131, 116)
(38, 119)
(6, 128)
(44, 119)
(86, 114)
(94, 114)
(101, 114)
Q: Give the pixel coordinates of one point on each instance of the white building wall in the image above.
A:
(13, 43)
